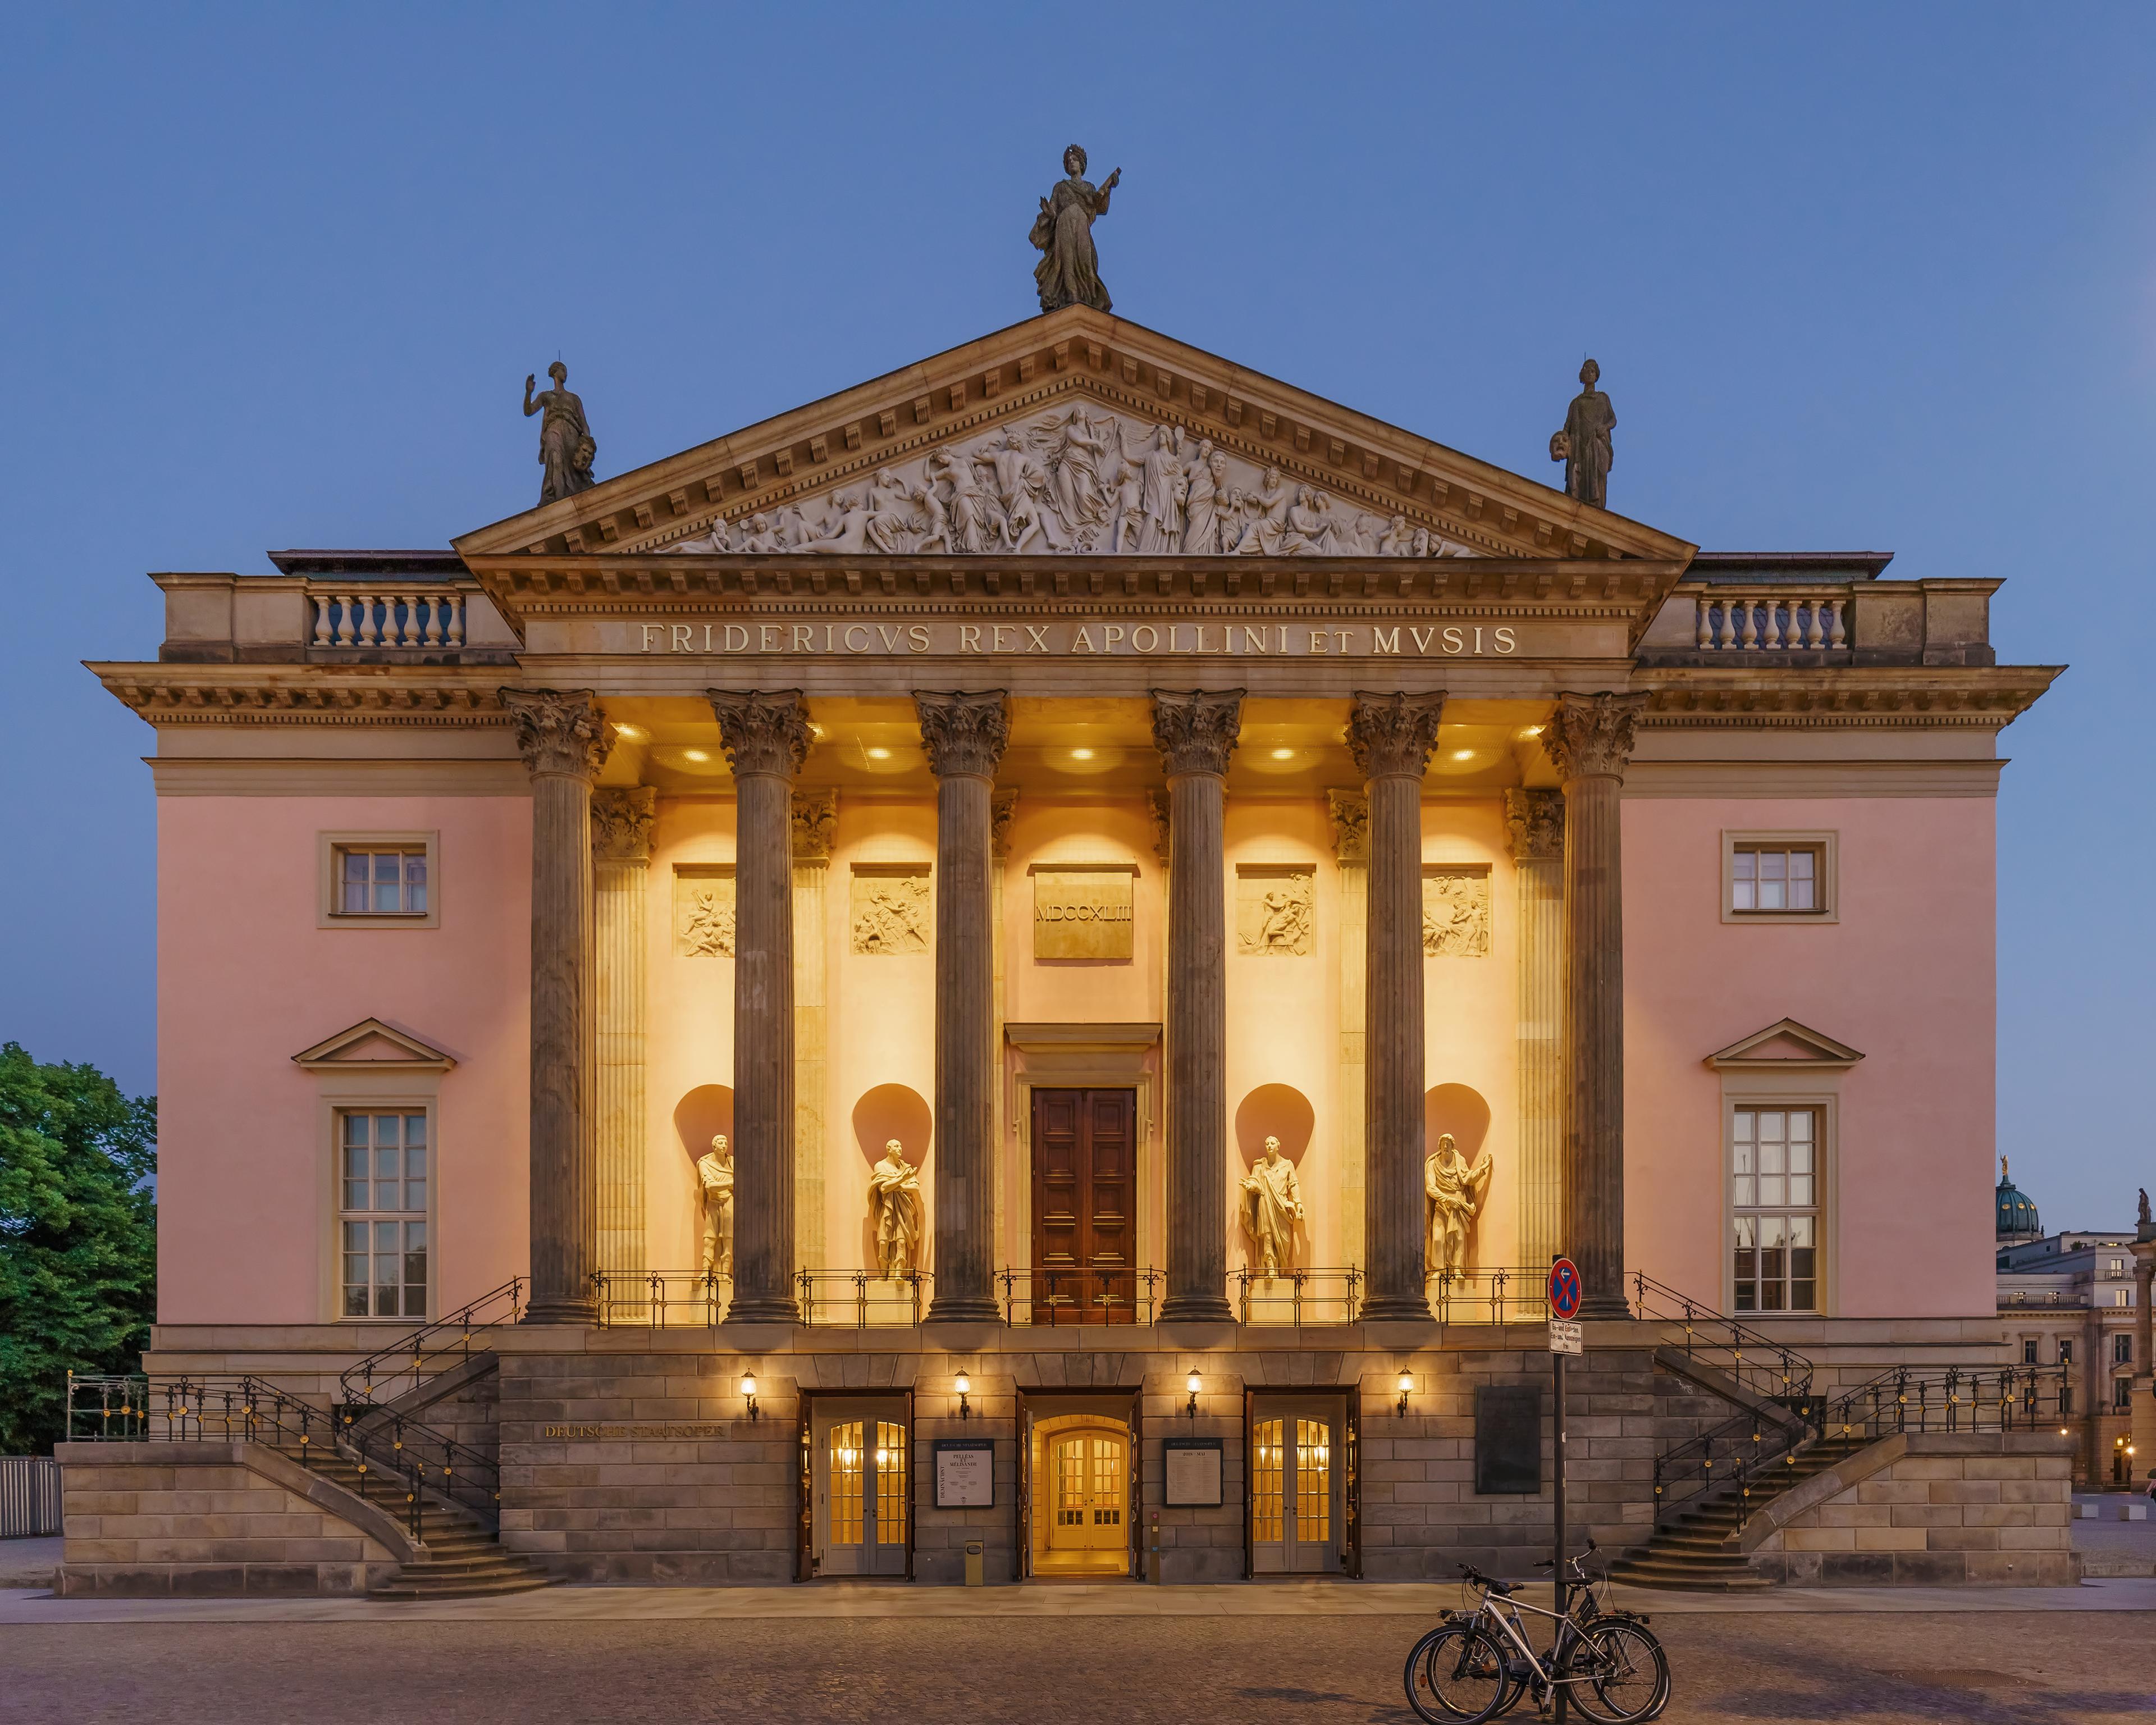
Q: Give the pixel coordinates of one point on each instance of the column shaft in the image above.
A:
(1589, 737)
(1535, 819)
(621, 861)
(964, 735)
(564, 740)
(1195, 733)
(1392, 736)
(766, 737)
(816, 818)
(1351, 846)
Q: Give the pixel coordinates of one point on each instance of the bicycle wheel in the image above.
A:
(1455, 1676)
(1628, 1674)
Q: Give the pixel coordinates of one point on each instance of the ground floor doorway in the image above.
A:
(1080, 1491)
(1301, 1498)
(857, 1460)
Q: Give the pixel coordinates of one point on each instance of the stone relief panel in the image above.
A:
(889, 913)
(1456, 910)
(703, 909)
(1082, 911)
(1276, 910)
(1079, 479)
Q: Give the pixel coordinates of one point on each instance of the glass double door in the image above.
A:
(1296, 1526)
(862, 1489)
(1088, 1471)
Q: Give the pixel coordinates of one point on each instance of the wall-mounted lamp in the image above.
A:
(965, 1389)
(748, 1394)
(1190, 1383)
(1407, 1383)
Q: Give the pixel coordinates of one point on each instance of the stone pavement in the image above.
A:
(1846, 1667)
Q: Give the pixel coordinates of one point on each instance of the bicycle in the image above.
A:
(1479, 1664)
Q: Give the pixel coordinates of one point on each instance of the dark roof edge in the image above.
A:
(434, 561)
(1820, 565)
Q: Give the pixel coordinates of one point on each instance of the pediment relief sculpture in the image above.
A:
(1456, 910)
(1081, 478)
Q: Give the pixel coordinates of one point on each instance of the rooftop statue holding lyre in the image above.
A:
(566, 449)
(1068, 273)
(1584, 445)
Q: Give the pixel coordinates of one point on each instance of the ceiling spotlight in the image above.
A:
(630, 733)
(1283, 754)
(695, 755)
(1463, 754)
(878, 754)
(1081, 754)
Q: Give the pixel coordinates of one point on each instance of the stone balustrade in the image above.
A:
(1755, 621)
(377, 615)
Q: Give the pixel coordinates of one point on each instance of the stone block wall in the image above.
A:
(1983, 1509)
(214, 1519)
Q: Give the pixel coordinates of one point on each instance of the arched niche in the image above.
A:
(887, 1111)
(1457, 1109)
(701, 1115)
(1278, 1110)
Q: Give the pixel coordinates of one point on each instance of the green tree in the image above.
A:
(78, 1238)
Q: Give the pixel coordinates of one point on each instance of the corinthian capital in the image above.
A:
(965, 734)
(1196, 731)
(559, 732)
(1391, 736)
(816, 825)
(621, 824)
(1590, 736)
(1534, 821)
(1351, 825)
(761, 731)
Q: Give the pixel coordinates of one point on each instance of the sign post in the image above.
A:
(1564, 1339)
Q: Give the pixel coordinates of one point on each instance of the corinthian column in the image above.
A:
(1590, 737)
(621, 857)
(1535, 821)
(1195, 733)
(964, 735)
(765, 738)
(564, 740)
(815, 824)
(1350, 811)
(1391, 737)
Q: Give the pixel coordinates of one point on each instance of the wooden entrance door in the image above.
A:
(1084, 1196)
(861, 1465)
(1295, 1486)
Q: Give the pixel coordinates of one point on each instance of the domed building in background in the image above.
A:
(2017, 1214)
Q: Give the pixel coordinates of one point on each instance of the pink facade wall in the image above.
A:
(246, 980)
(1906, 976)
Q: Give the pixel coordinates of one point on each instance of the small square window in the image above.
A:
(1779, 877)
(380, 879)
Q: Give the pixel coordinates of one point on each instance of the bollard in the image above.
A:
(1152, 1557)
(973, 1562)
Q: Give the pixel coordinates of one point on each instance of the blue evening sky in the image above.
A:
(1862, 276)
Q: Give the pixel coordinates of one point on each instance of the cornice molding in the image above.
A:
(433, 696)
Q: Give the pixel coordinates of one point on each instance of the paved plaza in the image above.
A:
(1121, 1655)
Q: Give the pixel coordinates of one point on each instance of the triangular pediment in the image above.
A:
(1782, 1045)
(1103, 428)
(371, 1045)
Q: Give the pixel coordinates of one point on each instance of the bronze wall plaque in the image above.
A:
(1082, 912)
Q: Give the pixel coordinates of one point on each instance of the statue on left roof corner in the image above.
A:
(1069, 272)
(566, 449)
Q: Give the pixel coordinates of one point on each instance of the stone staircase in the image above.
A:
(463, 1559)
(1699, 1552)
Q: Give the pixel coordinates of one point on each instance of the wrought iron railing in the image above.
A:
(395, 1463)
(1083, 1295)
(1297, 1297)
(861, 1299)
(1733, 1456)
(430, 1350)
(661, 1299)
(1498, 1294)
(1750, 1357)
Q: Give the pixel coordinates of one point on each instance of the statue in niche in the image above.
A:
(1584, 445)
(1453, 1193)
(1069, 272)
(895, 1206)
(1272, 1204)
(715, 1169)
(566, 449)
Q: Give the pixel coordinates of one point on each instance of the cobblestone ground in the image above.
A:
(1975, 1668)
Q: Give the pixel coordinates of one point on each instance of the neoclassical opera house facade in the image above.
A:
(1180, 899)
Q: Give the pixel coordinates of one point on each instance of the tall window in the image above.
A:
(2028, 1350)
(2065, 1350)
(2122, 1349)
(2122, 1395)
(387, 882)
(1774, 878)
(1773, 1161)
(383, 1213)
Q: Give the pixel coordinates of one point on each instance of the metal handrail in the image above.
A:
(1495, 1294)
(661, 1299)
(1312, 1297)
(863, 1297)
(430, 1350)
(1085, 1294)
(1753, 1358)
